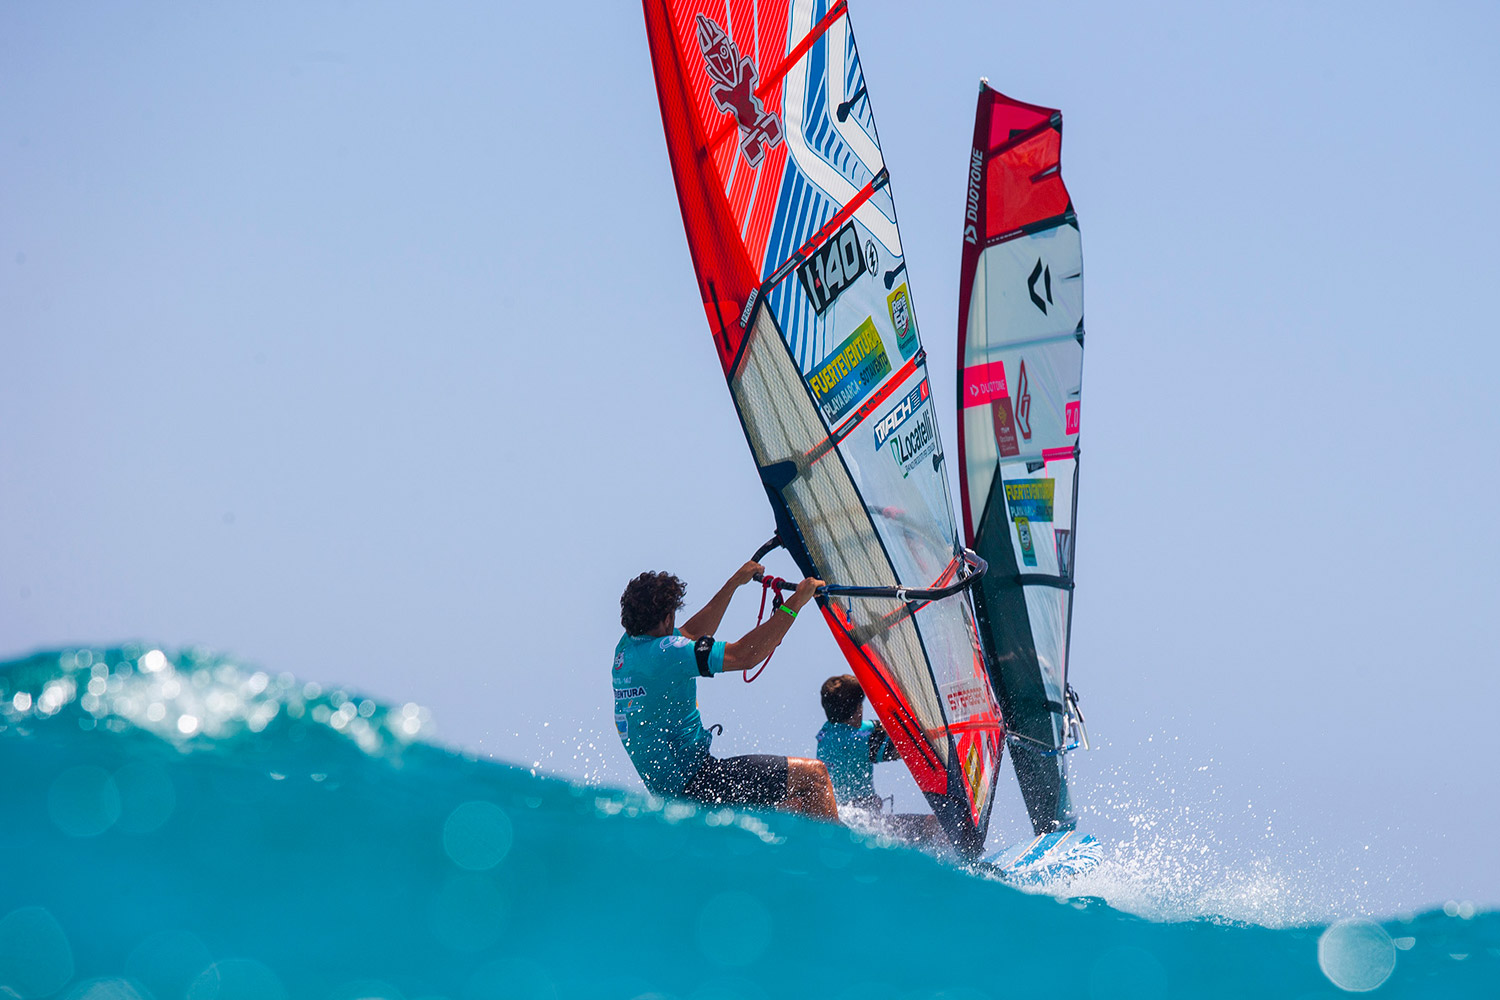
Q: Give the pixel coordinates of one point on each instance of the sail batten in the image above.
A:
(792, 228)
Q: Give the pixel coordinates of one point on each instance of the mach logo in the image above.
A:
(1023, 402)
(900, 414)
(1045, 274)
(734, 77)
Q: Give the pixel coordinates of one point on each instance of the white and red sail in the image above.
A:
(790, 220)
(1020, 351)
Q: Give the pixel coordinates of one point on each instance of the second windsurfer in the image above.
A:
(850, 747)
(656, 669)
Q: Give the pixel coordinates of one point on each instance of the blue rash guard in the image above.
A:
(846, 751)
(656, 707)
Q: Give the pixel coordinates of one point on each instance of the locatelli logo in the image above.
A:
(1043, 274)
(832, 268)
(912, 444)
(1023, 402)
(734, 78)
(900, 413)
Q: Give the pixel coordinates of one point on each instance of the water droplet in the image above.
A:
(168, 961)
(83, 801)
(236, 979)
(367, 989)
(105, 989)
(35, 958)
(147, 797)
(1356, 955)
(477, 835)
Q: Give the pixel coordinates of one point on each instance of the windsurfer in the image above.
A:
(850, 747)
(656, 669)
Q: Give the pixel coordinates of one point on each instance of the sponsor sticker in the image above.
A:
(1070, 414)
(971, 210)
(1064, 539)
(830, 269)
(900, 413)
(1023, 535)
(629, 693)
(902, 318)
(914, 443)
(974, 769)
(622, 725)
(984, 383)
(1031, 498)
(848, 374)
(1005, 427)
(964, 699)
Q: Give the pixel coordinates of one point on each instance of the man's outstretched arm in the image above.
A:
(707, 620)
(758, 643)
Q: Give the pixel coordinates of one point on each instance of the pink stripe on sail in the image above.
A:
(1056, 454)
(983, 383)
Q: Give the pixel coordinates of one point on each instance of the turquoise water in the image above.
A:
(179, 826)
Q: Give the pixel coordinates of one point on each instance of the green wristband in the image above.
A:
(788, 610)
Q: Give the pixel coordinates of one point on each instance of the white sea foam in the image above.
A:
(192, 695)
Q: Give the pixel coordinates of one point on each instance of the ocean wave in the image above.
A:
(181, 825)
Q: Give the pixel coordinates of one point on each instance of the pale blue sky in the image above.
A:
(361, 340)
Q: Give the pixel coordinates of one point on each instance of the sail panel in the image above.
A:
(792, 226)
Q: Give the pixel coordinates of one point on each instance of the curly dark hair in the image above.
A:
(841, 696)
(648, 599)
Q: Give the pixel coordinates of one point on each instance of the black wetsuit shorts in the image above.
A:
(755, 779)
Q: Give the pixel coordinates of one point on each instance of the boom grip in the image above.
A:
(760, 553)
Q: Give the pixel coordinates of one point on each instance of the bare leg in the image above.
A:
(808, 789)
